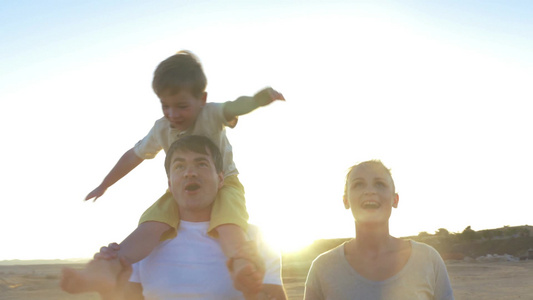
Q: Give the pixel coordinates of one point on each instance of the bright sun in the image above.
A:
(286, 240)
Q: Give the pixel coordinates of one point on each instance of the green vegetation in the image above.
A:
(506, 240)
(514, 241)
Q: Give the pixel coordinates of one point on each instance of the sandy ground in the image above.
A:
(470, 281)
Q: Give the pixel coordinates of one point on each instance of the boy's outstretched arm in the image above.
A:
(125, 164)
(245, 104)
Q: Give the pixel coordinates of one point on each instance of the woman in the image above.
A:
(376, 265)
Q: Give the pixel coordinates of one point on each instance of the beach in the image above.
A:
(472, 280)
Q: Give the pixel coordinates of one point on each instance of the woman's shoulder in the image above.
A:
(423, 249)
(421, 246)
(330, 256)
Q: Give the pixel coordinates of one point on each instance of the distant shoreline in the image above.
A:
(21, 262)
(515, 240)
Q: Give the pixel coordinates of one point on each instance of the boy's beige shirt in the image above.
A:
(210, 123)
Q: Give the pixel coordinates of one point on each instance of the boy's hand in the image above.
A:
(109, 252)
(267, 96)
(96, 193)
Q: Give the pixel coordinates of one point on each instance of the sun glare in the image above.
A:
(285, 241)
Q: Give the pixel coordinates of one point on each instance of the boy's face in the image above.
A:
(370, 193)
(194, 183)
(182, 109)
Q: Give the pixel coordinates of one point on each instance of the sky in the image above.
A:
(438, 90)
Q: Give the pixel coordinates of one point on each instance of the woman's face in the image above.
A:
(370, 193)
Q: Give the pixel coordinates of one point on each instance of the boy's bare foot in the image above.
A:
(98, 276)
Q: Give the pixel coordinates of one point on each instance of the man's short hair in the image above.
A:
(178, 72)
(197, 144)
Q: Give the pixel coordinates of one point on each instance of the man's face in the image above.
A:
(194, 183)
(182, 109)
(370, 193)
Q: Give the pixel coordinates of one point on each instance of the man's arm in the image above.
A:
(125, 164)
(245, 104)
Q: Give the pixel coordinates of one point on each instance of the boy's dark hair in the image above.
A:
(180, 71)
(197, 144)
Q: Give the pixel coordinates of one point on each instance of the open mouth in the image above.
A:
(191, 187)
(370, 205)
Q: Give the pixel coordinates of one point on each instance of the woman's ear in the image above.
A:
(396, 200)
(345, 201)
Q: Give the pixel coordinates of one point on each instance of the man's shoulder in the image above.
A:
(254, 232)
(253, 227)
(266, 247)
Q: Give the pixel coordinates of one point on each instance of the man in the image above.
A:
(192, 265)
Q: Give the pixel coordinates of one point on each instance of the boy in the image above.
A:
(179, 82)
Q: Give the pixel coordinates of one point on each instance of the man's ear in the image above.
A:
(395, 200)
(168, 182)
(345, 201)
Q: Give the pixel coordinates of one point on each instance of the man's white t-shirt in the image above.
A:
(193, 266)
